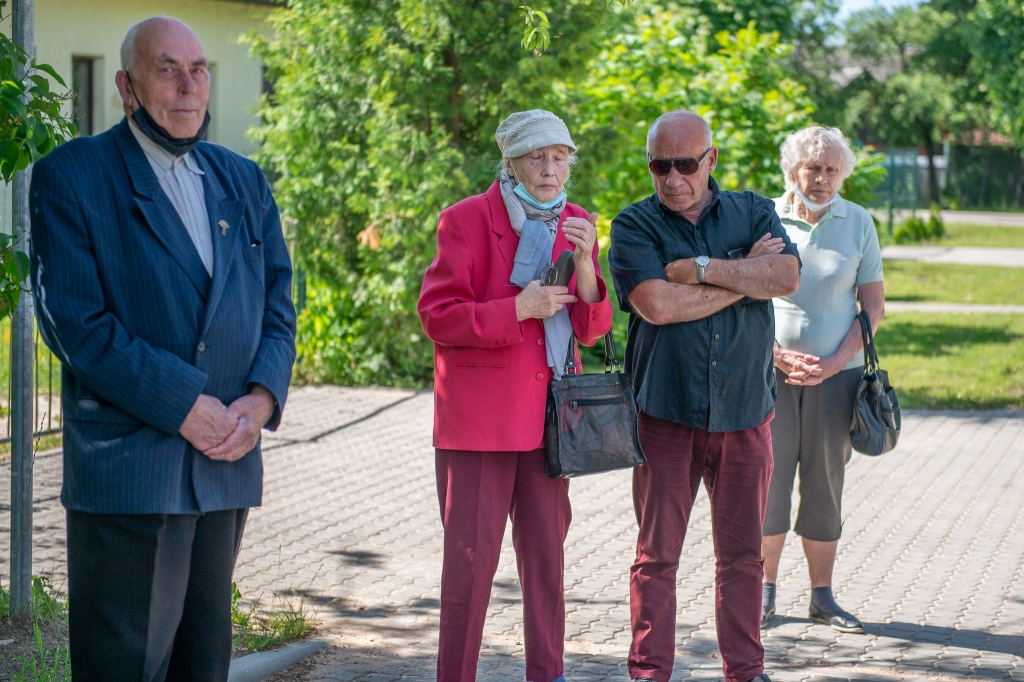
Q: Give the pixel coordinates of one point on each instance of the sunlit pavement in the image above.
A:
(931, 559)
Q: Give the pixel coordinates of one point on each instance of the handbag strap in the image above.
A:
(870, 355)
(611, 358)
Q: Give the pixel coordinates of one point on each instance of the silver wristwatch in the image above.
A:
(701, 262)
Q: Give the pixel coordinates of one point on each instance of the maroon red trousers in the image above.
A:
(736, 467)
(478, 491)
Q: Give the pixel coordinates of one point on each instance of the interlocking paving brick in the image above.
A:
(931, 557)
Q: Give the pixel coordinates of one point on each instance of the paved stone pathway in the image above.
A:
(966, 255)
(932, 556)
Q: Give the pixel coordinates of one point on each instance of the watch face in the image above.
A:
(702, 260)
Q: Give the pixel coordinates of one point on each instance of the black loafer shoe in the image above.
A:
(763, 677)
(836, 618)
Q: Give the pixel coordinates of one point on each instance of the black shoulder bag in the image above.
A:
(876, 411)
(591, 420)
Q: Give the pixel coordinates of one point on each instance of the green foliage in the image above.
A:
(997, 44)
(47, 603)
(915, 230)
(256, 629)
(31, 125)
(868, 174)
(658, 61)
(384, 114)
(45, 664)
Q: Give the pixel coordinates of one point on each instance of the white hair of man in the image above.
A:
(809, 145)
(128, 42)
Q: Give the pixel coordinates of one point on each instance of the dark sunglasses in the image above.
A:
(662, 167)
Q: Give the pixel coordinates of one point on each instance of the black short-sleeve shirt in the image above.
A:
(715, 373)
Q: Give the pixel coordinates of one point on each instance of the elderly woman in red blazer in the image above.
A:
(499, 340)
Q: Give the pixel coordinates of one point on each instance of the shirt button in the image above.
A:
(716, 336)
(540, 376)
(507, 341)
(714, 363)
(201, 347)
(540, 342)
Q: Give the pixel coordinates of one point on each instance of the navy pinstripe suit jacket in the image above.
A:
(142, 330)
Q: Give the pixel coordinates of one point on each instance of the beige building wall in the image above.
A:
(94, 28)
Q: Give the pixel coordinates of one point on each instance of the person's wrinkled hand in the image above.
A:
(208, 423)
(767, 246)
(252, 412)
(794, 362)
(583, 235)
(682, 271)
(813, 373)
(537, 302)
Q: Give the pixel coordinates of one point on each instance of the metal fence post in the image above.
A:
(22, 365)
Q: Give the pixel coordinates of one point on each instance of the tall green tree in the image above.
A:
(660, 60)
(997, 46)
(383, 114)
(906, 101)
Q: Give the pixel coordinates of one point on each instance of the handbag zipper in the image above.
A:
(593, 402)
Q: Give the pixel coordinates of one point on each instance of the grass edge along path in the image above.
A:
(907, 280)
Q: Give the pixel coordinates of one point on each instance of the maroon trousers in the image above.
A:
(477, 492)
(736, 467)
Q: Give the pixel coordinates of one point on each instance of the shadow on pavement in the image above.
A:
(926, 634)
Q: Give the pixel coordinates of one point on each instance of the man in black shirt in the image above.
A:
(697, 268)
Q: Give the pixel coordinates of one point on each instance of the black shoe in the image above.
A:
(643, 679)
(767, 603)
(825, 610)
(763, 677)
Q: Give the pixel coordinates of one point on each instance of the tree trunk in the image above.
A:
(933, 177)
(1018, 183)
(983, 186)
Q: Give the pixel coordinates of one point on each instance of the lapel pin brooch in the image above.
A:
(223, 227)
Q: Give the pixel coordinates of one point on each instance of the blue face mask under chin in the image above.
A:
(521, 192)
(813, 207)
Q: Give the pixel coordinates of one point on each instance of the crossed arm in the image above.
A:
(764, 274)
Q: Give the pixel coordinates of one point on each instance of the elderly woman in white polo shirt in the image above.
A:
(818, 360)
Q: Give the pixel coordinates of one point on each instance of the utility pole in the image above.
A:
(22, 362)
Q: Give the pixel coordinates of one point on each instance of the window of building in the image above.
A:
(83, 82)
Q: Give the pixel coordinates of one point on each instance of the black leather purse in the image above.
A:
(591, 421)
(875, 428)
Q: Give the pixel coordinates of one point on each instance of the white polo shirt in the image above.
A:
(839, 254)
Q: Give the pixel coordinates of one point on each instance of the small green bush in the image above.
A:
(916, 230)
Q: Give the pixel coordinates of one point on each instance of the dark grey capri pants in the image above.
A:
(811, 428)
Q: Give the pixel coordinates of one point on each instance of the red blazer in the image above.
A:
(491, 371)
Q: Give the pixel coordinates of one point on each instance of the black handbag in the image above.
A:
(875, 428)
(591, 420)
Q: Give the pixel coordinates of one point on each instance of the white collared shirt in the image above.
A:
(182, 181)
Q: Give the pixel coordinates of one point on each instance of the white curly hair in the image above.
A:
(804, 146)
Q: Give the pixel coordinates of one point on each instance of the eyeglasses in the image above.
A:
(662, 167)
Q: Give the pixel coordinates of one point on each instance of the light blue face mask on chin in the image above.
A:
(521, 192)
(813, 207)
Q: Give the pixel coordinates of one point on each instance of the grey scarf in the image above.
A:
(536, 230)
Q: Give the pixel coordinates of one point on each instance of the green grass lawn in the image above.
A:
(917, 281)
(958, 234)
(954, 361)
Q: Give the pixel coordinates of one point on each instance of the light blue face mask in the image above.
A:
(521, 192)
(813, 207)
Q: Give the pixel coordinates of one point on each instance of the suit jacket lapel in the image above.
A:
(225, 224)
(158, 210)
(508, 240)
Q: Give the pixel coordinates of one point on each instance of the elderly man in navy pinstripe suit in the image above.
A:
(162, 283)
